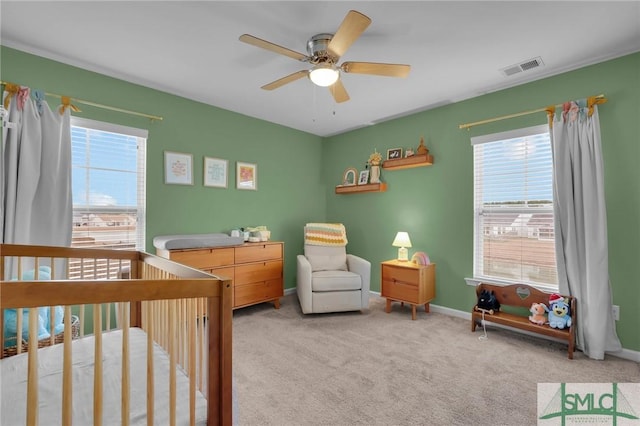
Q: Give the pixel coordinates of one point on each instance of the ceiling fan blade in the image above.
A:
(284, 80)
(338, 92)
(258, 42)
(349, 30)
(376, 68)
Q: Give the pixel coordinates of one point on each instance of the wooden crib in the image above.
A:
(153, 347)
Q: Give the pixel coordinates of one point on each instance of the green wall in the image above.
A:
(290, 185)
(295, 170)
(435, 204)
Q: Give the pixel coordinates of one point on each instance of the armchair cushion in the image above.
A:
(335, 281)
(323, 258)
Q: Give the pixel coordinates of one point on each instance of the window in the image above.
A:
(108, 184)
(513, 207)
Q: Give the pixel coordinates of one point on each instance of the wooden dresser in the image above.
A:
(255, 268)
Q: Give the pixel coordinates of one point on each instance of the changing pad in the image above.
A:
(171, 242)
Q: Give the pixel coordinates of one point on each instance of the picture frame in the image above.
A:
(394, 153)
(364, 177)
(215, 172)
(349, 177)
(178, 168)
(246, 176)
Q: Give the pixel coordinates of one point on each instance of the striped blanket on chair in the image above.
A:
(325, 234)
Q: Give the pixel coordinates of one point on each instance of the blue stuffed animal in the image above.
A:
(11, 315)
(559, 312)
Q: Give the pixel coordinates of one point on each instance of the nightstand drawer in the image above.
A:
(400, 291)
(405, 275)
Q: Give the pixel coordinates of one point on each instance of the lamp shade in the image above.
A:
(402, 240)
(324, 75)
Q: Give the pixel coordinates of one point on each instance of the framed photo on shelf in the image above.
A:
(246, 176)
(394, 153)
(178, 168)
(215, 172)
(364, 177)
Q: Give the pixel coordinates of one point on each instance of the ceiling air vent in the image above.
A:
(527, 65)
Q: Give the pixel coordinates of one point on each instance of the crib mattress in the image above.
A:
(13, 384)
(173, 242)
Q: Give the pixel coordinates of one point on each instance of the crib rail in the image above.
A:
(185, 311)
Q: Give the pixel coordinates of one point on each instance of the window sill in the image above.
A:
(474, 282)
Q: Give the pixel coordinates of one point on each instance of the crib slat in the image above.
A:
(52, 323)
(201, 343)
(97, 372)
(108, 316)
(32, 373)
(67, 390)
(82, 323)
(124, 311)
(191, 347)
(19, 313)
(172, 362)
(152, 325)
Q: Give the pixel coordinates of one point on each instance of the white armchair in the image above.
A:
(330, 280)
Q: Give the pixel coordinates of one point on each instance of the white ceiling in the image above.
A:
(456, 49)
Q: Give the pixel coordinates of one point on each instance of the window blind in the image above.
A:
(513, 207)
(108, 184)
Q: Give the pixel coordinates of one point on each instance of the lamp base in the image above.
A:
(403, 254)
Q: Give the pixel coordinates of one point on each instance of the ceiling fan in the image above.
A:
(324, 51)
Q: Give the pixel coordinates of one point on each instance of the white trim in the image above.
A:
(474, 282)
(109, 127)
(510, 134)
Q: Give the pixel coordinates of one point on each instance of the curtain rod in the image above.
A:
(97, 105)
(598, 99)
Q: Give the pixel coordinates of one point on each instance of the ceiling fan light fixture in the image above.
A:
(324, 75)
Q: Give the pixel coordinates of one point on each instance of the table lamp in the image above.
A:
(402, 240)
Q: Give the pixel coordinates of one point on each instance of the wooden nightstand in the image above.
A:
(408, 282)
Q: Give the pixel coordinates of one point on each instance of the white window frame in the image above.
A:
(141, 135)
(478, 228)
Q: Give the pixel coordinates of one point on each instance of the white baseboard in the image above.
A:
(624, 353)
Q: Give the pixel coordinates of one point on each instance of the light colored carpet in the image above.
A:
(375, 368)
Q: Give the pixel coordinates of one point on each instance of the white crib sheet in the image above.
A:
(13, 383)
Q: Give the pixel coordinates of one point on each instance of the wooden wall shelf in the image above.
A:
(370, 187)
(408, 162)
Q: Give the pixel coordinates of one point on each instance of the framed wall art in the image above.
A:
(246, 176)
(178, 168)
(364, 177)
(215, 172)
(393, 154)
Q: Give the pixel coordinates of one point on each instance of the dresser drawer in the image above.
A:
(205, 258)
(255, 272)
(402, 274)
(257, 292)
(400, 291)
(258, 252)
(227, 272)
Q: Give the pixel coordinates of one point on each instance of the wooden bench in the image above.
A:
(522, 296)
